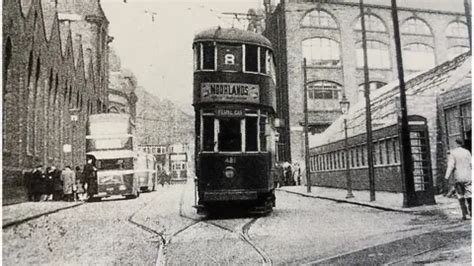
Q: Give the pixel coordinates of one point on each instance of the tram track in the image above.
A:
(243, 233)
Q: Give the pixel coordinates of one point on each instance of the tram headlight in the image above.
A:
(229, 172)
(122, 187)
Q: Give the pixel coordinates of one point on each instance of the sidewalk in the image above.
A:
(22, 212)
(384, 200)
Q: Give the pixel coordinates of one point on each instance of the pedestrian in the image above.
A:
(89, 175)
(69, 181)
(277, 176)
(28, 182)
(459, 165)
(162, 178)
(57, 185)
(297, 174)
(49, 183)
(80, 190)
(37, 183)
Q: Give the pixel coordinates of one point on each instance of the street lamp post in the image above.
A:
(306, 140)
(344, 103)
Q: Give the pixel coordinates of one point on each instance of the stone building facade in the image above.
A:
(122, 85)
(328, 35)
(55, 74)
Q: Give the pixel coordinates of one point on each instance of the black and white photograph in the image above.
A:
(236, 132)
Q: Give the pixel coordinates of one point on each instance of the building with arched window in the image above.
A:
(328, 35)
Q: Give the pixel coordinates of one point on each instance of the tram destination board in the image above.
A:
(235, 92)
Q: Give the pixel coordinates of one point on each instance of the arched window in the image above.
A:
(418, 56)
(454, 51)
(415, 26)
(321, 52)
(319, 19)
(457, 29)
(373, 85)
(324, 90)
(372, 23)
(378, 55)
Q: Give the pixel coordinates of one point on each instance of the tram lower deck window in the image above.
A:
(208, 133)
(229, 134)
(251, 131)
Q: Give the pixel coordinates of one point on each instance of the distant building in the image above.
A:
(122, 97)
(328, 35)
(55, 74)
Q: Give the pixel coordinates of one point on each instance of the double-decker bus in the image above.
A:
(109, 141)
(234, 103)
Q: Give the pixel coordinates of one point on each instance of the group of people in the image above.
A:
(54, 184)
(286, 174)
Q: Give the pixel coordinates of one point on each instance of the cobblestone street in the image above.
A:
(300, 230)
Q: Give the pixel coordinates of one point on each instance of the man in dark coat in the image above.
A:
(89, 175)
(28, 181)
(57, 185)
(38, 183)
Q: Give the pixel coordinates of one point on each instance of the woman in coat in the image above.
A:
(69, 181)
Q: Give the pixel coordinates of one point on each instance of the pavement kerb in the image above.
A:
(364, 204)
(19, 221)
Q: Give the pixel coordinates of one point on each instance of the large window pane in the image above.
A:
(197, 56)
(372, 23)
(263, 60)
(415, 26)
(229, 134)
(208, 56)
(321, 52)
(378, 55)
(418, 56)
(251, 58)
(251, 134)
(263, 139)
(319, 19)
(456, 50)
(208, 133)
(457, 29)
(324, 90)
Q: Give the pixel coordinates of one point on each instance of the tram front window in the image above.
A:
(229, 135)
(251, 143)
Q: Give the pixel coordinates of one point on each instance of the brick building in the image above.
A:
(440, 95)
(328, 35)
(55, 74)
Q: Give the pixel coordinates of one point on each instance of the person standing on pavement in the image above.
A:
(49, 182)
(69, 181)
(28, 182)
(459, 165)
(57, 185)
(37, 183)
(89, 175)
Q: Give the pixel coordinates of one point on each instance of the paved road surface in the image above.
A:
(300, 230)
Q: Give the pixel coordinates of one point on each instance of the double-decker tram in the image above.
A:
(234, 103)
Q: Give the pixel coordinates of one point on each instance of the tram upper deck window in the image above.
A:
(263, 60)
(251, 58)
(229, 134)
(208, 56)
(197, 56)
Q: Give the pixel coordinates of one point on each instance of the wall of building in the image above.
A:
(46, 83)
(323, 112)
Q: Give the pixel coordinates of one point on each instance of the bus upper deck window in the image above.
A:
(208, 56)
(251, 58)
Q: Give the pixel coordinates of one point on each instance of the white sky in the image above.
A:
(159, 52)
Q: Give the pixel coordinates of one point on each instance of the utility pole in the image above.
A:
(409, 197)
(306, 144)
(467, 10)
(368, 113)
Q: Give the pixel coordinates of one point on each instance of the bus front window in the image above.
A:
(229, 134)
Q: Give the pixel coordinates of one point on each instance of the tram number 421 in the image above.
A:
(231, 160)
